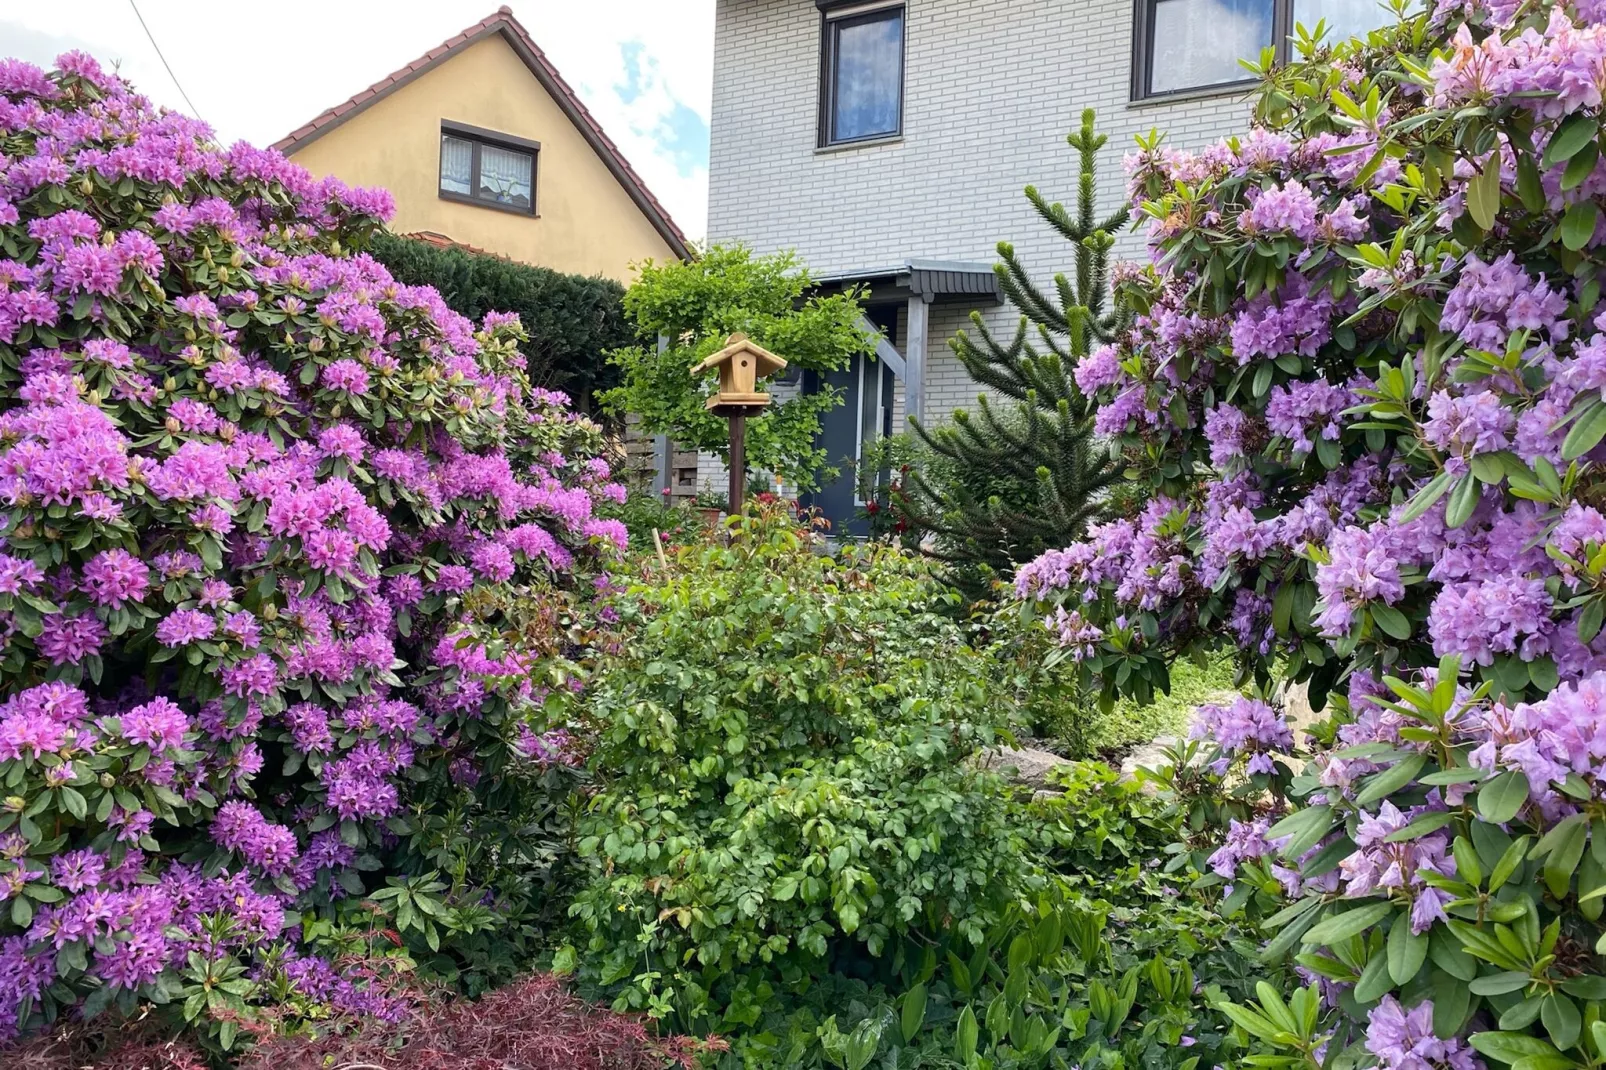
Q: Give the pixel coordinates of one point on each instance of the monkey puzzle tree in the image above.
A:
(1008, 481)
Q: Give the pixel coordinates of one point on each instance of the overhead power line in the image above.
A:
(152, 39)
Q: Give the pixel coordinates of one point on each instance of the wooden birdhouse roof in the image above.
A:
(764, 362)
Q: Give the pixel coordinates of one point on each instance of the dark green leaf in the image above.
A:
(1406, 950)
(1483, 193)
(1577, 227)
(1570, 138)
(1463, 501)
(1391, 779)
(1338, 927)
(1500, 799)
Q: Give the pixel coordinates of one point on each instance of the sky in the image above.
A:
(257, 70)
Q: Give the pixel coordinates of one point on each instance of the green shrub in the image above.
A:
(1049, 702)
(572, 320)
(782, 784)
(1113, 962)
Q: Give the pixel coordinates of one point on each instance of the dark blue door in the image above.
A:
(846, 433)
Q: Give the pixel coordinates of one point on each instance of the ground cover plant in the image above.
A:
(286, 582)
(1365, 390)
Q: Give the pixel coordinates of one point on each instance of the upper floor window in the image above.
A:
(861, 77)
(1183, 45)
(483, 167)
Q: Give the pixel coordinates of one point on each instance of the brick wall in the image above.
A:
(991, 89)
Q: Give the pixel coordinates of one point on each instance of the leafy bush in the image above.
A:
(1130, 723)
(1112, 962)
(285, 572)
(1051, 700)
(572, 321)
(781, 789)
(1375, 346)
(697, 306)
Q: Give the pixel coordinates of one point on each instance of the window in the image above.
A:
(1183, 45)
(483, 167)
(875, 421)
(861, 76)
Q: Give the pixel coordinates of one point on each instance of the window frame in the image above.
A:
(833, 15)
(478, 138)
(1282, 29)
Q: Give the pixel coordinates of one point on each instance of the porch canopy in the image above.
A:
(919, 284)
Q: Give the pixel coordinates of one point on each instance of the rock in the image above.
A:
(1297, 708)
(1149, 756)
(1027, 766)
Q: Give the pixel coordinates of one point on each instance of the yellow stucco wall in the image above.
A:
(587, 224)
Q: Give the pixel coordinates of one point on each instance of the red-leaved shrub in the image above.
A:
(536, 1024)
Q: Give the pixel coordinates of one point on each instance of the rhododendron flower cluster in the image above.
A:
(266, 514)
(1364, 387)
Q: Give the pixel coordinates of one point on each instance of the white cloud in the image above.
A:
(258, 70)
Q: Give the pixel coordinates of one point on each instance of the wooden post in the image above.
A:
(741, 364)
(738, 461)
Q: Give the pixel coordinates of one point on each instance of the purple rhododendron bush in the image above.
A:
(1367, 387)
(290, 566)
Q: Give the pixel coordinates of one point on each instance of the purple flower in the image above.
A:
(1362, 568)
(77, 870)
(158, 724)
(29, 733)
(239, 826)
(1248, 726)
(1289, 208)
(115, 577)
(1467, 425)
(184, 626)
(347, 375)
(1404, 1040)
(341, 441)
(68, 640)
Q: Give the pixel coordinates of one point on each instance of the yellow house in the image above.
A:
(483, 144)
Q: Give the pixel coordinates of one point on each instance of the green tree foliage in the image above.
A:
(781, 780)
(572, 320)
(697, 306)
(1004, 483)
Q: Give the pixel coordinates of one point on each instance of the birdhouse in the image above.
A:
(741, 364)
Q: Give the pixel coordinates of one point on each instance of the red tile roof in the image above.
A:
(503, 22)
(446, 241)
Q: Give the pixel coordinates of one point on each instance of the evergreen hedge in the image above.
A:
(572, 320)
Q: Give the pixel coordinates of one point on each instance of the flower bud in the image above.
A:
(14, 804)
(107, 780)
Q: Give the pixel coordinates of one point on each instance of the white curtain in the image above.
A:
(1199, 42)
(869, 77)
(1344, 18)
(457, 163)
(505, 176)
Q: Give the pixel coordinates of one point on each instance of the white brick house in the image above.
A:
(888, 141)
